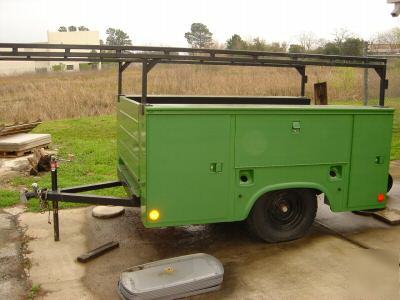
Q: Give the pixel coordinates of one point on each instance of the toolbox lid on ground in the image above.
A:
(170, 278)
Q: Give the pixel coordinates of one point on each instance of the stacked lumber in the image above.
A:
(22, 143)
(18, 128)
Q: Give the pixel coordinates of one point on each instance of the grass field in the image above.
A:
(65, 95)
(92, 140)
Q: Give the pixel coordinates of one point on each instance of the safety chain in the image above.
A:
(43, 203)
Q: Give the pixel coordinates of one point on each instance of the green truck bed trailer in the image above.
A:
(197, 159)
(208, 163)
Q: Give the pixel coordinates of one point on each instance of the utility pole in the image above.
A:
(365, 53)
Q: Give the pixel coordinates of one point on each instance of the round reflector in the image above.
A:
(381, 197)
(154, 215)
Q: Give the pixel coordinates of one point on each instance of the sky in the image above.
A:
(164, 22)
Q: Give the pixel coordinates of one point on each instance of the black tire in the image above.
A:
(283, 215)
(390, 183)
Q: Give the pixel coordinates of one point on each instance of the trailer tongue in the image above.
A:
(204, 159)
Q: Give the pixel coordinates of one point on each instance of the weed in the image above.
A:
(34, 291)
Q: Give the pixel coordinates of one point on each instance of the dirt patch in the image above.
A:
(13, 279)
(53, 264)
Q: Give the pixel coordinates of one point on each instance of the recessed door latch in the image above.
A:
(295, 126)
(379, 160)
(216, 167)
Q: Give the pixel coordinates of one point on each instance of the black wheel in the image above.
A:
(390, 183)
(283, 215)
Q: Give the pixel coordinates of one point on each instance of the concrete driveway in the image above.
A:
(344, 256)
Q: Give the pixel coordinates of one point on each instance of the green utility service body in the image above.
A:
(210, 163)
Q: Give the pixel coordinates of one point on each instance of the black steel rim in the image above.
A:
(285, 211)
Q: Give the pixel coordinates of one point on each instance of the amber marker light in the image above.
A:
(154, 215)
(381, 197)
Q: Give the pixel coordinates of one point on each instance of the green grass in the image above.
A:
(34, 291)
(92, 140)
(395, 154)
(8, 197)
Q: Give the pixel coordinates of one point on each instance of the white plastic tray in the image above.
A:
(172, 278)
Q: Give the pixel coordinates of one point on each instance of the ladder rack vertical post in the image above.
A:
(144, 85)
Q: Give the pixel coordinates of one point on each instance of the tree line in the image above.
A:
(343, 42)
(72, 28)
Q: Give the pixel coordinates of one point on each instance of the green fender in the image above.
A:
(281, 186)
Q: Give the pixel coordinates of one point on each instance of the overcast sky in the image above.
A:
(164, 22)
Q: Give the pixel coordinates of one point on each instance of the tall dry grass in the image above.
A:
(87, 93)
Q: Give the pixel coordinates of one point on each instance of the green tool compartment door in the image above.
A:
(189, 168)
(369, 160)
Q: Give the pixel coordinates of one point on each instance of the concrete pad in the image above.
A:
(318, 266)
(106, 212)
(322, 265)
(9, 289)
(15, 210)
(53, 264)
(8, 250)
(5, 221)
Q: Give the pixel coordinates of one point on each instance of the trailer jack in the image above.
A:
(72, 194)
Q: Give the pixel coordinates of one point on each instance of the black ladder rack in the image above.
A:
(150, 56)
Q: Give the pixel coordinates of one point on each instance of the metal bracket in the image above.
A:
(304, 78)
(381, 71)
(147, 65)
(151, 64)
(124, 66)
(384, 84)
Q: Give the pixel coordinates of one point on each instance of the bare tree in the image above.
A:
(390, 38)
(341, 35)
(307, 40)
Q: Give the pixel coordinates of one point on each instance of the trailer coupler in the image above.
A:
(72, 194)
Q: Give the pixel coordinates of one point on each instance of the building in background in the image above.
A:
(71, 37)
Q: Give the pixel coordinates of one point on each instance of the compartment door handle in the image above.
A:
(216, 167)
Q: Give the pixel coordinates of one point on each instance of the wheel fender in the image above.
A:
(281, 186)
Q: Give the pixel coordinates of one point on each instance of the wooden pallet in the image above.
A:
(13, 154)
(18, 128)
(388, 215)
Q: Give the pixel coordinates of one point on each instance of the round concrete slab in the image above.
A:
(105, 212)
